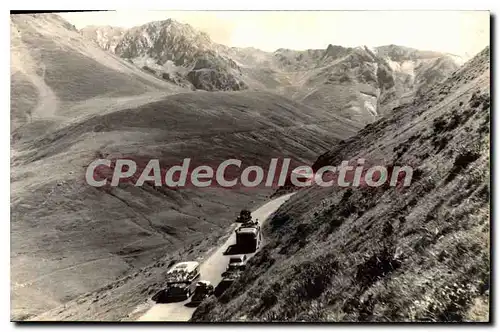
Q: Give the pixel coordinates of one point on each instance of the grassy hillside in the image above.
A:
(65, 232)
(53, 67)
(419, 253)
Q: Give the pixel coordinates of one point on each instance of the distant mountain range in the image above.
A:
(358, 83)
(73, 102)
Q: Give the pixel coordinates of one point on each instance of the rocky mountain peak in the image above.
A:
(336, 51)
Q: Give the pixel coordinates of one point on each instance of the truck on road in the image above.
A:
(248, 237)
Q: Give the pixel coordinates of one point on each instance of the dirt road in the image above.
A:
(210, 270)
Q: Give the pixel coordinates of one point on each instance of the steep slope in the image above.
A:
(360, 83)
(419, 253)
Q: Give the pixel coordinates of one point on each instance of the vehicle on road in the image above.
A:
(230, 275)
(182, 280)
(237, 262)
(248, 237)
(245, 216)
(203, 290)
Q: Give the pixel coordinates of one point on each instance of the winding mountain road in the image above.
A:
(211, 270)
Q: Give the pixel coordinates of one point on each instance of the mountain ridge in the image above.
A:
(305, 76)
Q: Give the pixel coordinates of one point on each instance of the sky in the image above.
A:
(462, 33)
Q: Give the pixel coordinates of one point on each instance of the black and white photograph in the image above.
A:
(278, 166)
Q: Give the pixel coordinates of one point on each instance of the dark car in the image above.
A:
(203, 290)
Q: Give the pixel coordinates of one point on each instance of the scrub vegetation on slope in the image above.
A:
(419, 253)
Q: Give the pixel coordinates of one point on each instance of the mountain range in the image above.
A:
(359, 83)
